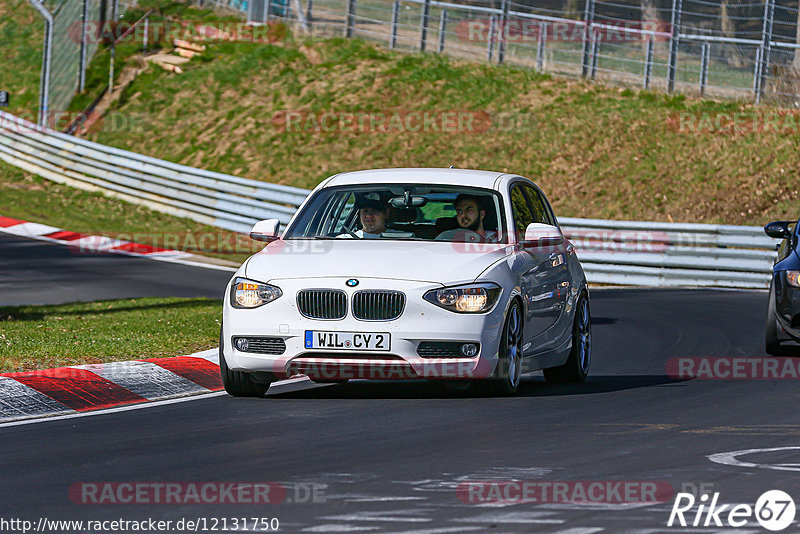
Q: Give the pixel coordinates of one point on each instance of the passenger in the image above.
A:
(470, 216)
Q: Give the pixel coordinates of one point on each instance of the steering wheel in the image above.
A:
(350, 231)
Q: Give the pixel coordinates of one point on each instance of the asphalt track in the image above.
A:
(37, 272)
(389, 457)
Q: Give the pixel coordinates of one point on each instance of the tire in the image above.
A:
(507, 374)
(772, 342)
(580, 356)
(238, 383)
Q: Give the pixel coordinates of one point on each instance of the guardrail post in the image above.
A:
(47, 54)
(101, 15)
(588, 21)
(503, 32)
(442, 29)
(351, 18)
(146, 31)
(490, 43)
(82, 66)
(310, 15)
(595, 53)
(113, 49)
(395, 17)
(757, 76)
(423, 31)
(540, 46)
(704, 59)
(674, 41)
(648, 63)
(766, 34)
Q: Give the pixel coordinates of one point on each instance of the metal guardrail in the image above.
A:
(213, 198)
(612, 252)
(672, 254)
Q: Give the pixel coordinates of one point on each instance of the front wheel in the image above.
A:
(580, 356)
(507, 374)
(771, 339)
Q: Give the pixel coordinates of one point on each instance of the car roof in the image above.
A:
(463, 177)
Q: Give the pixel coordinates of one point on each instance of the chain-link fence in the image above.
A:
(725, 48)
(741, 49)
(68, 48)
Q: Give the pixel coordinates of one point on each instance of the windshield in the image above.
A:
(422, 212)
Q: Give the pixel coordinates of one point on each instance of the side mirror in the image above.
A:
(778, 229)
(266, 230)
(538, 235)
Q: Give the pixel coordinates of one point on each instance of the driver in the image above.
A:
(374, 212)
(470, 216)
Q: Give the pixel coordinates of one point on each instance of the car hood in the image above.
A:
(428, 261)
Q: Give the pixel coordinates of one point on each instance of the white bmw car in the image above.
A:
(438, 274)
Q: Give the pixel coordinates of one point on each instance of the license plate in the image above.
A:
(316, 339)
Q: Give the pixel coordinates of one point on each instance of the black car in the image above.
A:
(783, 315)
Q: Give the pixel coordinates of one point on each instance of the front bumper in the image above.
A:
(420, 321)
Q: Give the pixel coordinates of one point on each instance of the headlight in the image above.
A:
(471, 298)
(248, 294)
(793, 277)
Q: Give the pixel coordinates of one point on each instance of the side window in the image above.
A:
(521, 211)
(538, 206)
(343, 213)
(334, 215)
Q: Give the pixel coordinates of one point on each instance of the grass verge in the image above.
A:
(41, 337)
(22, 34)
(127, 51)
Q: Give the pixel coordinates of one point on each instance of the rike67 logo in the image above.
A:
(774, 510)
